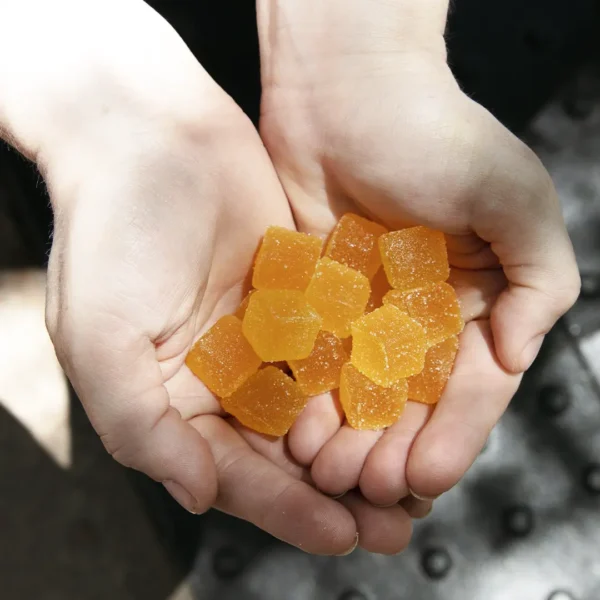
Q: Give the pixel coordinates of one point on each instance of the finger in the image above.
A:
(382, 530)
(416, 508)
(470, 252)
(383, 478)
(338, 465)
(516, 209)
(317, 424)
(274, 449)
(477, 291)
(254, 489)
(477, 394)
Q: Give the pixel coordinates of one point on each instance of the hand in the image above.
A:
(161, 189)
(360, 113)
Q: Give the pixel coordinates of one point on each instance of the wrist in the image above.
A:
(312, 35)
(74, 79)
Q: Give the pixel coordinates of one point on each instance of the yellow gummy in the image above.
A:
(413, 257)
(339, 294)
(435, 306)
(368, 405)
(222, 358)
(268, 402)
(387, 345)
(286, 260)
(281, 325)
(320, 371)
(428, 386)
(353, 243)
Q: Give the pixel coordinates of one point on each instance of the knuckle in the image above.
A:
(569, 293)
(435, 472)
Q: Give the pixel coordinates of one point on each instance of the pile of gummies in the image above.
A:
(317, 321)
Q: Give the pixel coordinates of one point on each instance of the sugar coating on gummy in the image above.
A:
(320, 371)
(339, 294)
(268, 402)
(286, 260)
(281, 325)
(435, 306)
(428, 386)
(353, 242)
(368, 405)
(388, 345)
(222, 358)
(413, 257)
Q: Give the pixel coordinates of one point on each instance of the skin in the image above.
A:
(366, 117)
(161, 189)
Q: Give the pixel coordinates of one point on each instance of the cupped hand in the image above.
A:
(361, 113)
(161, 189)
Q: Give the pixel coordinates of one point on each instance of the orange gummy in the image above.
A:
(380, 286)
(320, 371)
(387, 345)
(281, 325)
(427, 386)
(241, 309)
(413, 257)
(434, 306)
(368, 405)
(268, 402)
(339, 294)
(353, 243)
(222, 358)
(286, 260)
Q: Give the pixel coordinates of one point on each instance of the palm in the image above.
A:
(384, 150)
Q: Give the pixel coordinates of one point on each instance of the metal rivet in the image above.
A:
(554, 399)
(518, 520)
(436, 562)
(560, 595)
(591, 479)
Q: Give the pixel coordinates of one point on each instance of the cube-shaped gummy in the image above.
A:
(387, 345)
(268, 402)
(222, 358)
(286, 260)
(339, 294)
(281, 325)
(414, 256)
(435, 306)
(320, 371)
(428, 386)
(353, 243)
(368, 405)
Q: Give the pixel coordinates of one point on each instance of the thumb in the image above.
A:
(516, 209)
(118, 380)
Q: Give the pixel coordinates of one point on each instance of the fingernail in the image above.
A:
(384, 505)
(181, 495)
(531, 351)
(426, 498)
(352, 548)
